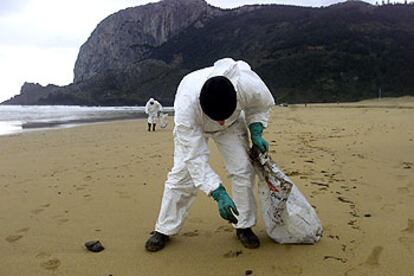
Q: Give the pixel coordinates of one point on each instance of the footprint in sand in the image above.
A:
(51, 264)
(408, 241)
(342, 260)
(366, 267)
(41, 209)
(41, 255)
(123, 194)
(292, 173)
(62, 221)
(232, 254)
(358, 155)
(195, 220)
(353, 225)
(410, 226)
(401, 177)
(373, 258)
(13, 238)
(345, 200)
(191, 233)
(37, 211)
(23, 230)
(208, 234)
(403, 190)
(388, 208)
(407, 165)
(290, 269)
(224, 229)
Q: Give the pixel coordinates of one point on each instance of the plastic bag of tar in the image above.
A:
(288, 216)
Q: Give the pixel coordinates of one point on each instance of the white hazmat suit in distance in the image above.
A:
(191, 170)
(152, 107)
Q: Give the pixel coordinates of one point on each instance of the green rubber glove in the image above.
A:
(225, 204)
(256, 130)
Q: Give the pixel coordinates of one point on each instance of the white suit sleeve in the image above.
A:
(146, 107)
(256, 98)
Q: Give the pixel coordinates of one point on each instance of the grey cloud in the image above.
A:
(41, 40)
(21, 35)
(10, 6)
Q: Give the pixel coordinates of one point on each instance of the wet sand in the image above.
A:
(60, 188)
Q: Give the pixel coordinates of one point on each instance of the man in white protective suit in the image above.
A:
(217, 103)
(152, 108)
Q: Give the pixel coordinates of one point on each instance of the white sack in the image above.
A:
(288, 216)
(163, 120)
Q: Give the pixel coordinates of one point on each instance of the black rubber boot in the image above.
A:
(153, 127)
(156, 242)
(149, 127)
(248, 238)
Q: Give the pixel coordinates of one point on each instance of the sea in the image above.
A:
(16, 119)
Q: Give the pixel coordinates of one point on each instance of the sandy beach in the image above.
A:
(354, 163)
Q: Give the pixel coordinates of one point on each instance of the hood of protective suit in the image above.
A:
(230, 69)
(152, 107)
(253, 97)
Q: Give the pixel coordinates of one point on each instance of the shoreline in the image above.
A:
(56, 124)
(19, 119)
(390, 103)
(27, 128)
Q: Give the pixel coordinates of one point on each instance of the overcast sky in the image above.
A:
(40, 39)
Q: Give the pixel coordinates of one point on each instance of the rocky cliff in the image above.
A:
(343, 52)
(130, 35)
(31, 93)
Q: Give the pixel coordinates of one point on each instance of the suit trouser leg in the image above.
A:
(179, 194)
(234, 146)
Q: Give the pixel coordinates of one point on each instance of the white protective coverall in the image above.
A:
(152, 110)
(191, 170)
